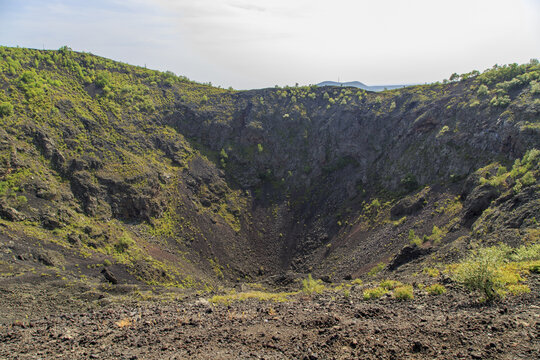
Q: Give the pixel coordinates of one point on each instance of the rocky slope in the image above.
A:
(143, 215)
(165, 181)
(327, 326)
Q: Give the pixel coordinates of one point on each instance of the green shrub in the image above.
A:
(357, 282)
(6, 109)
(501, 101)
(404, 292)
(490, 272)
(534, 268)
(443, 130)
(432, 272)
(526, 253)
(436, 289)
(389, 284)
(376, 269)
(223, 154)
(482, 90)
(21, 200)
(528, 179)
(511, 84)
(310, 285)
(103, 80)
(31, 85)
(518, 289)
(479, 272)
(535, 87)
(123, 243)
(374, 293)
(413, 239)
(531, 155)
(517, 188)
(436, 235)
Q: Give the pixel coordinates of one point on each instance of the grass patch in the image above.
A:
(251, 295)
(436, 289)
(311, 286)
(374, 293)
(403, 292)
(518, 289)
(389, 284)
(432, 272)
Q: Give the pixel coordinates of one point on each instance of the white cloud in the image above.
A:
(261, 43)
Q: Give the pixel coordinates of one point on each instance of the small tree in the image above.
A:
(482, 90)
(535, 87)
(64, 50)
(6, 109)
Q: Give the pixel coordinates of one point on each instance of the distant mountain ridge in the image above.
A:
(361, 85)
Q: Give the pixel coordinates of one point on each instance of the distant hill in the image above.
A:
(361, 85)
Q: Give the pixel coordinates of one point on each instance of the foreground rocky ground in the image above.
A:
(336, 324)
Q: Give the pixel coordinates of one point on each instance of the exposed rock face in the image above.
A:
(408, 253)
(479, 200)
(408, 206)
(109, 276)
(182, 178)
(9, 213)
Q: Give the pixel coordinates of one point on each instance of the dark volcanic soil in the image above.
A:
(327, 326)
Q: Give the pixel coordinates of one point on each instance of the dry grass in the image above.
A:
(125, 322)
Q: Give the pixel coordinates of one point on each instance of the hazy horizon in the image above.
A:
(256, 44)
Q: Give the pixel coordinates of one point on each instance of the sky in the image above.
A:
(261, 43)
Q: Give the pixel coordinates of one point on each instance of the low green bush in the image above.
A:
(376, 269)
(479, 272)
(436, 289)
(389, 284)
(482, 90)
(518, 289)
(403, 292)
(374, 293)
(311, 286)
(501, 101)
(6, 109)
(497, 270)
